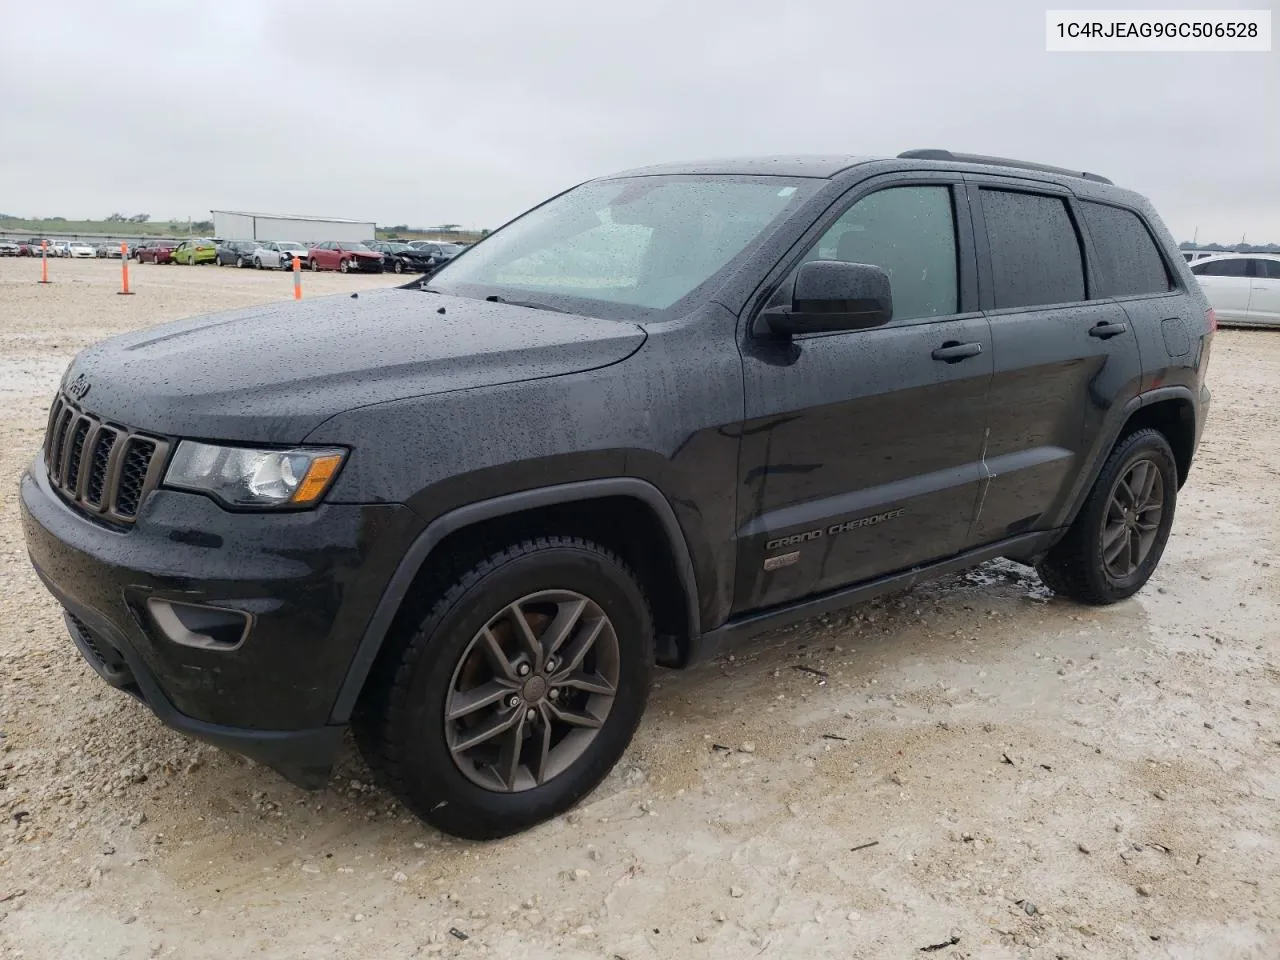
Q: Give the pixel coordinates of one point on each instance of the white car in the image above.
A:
(78, 249)
(278, 255)
(1244, 288)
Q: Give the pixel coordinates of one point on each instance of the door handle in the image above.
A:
(1105, 330)
(953, 351)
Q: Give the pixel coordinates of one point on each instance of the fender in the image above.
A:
(1107, 440)
(473, 513)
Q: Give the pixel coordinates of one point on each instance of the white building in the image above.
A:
(238, 225)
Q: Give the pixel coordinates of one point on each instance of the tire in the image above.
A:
(1078, 566)
(239, 263)
(344, 266)
(257, 262)
(401, 727)
(398, 266)
(315, 266)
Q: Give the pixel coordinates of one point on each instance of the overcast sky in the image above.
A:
(469, 112)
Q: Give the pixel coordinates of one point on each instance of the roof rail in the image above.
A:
(928, 154)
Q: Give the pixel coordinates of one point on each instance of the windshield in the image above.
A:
(642, 241)
(290, 245)
(354, 246)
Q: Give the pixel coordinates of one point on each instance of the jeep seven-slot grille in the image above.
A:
(103, 469)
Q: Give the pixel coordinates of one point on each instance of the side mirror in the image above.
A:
(830, 296)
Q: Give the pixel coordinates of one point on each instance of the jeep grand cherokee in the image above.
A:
(657, 413)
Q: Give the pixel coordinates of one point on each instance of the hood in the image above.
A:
(273, 373)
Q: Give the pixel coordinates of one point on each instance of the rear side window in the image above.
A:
(1035, 252)
(1268, 269)
(1129, 262)
(1233, 267)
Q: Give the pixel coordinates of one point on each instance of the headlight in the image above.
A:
(245, 477)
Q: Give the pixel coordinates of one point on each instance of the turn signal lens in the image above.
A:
(313, 485)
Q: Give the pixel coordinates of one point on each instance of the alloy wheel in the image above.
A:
(531, 691)
(1132, 519)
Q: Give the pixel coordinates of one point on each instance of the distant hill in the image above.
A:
(1231, 247)
(27, 228)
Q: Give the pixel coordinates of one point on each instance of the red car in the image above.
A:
(345, 256)
(159, 252)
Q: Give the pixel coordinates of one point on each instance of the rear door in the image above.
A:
(1128, 265)
(1064, 354)
(860, 452)
(1264, 295)
(1227, 283)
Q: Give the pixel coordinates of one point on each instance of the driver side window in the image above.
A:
(910, 233)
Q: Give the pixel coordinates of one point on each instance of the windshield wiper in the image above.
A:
(494, 298)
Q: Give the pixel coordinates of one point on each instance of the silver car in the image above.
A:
(278, 255)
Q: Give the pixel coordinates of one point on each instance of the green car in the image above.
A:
(195, 251)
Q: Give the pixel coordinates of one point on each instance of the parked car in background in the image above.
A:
(107, 250)
(155, 251)
(80, 249)
(344, 256)
(195, 252)
(239, 252)
(438, 253)
(278, 255)
(1244, 288)
(59, 248)
(29, 248)
(8, 248)
(399, 257)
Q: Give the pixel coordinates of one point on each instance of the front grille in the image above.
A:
(103, 469)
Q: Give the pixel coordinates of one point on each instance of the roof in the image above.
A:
(1223, 254)
(289, 216)
(780, 166)
(826, 167)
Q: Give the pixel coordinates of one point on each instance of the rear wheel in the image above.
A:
(315, 265)
(1115, 543)
(518, 691)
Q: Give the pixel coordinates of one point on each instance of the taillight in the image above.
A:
(1212, 317)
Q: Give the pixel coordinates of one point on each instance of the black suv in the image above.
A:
(655, 414)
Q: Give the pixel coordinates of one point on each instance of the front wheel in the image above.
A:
(344, 266)
(257, 263)
(398, 266)
(517, 693)
(240, 263)
(1112, 548)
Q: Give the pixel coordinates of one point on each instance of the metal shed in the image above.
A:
(239, 225)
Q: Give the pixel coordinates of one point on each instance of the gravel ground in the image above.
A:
(974, 769)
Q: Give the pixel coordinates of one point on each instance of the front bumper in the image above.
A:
(306, 583)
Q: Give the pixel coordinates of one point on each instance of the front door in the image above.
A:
(1227, 284)
(861, 450)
